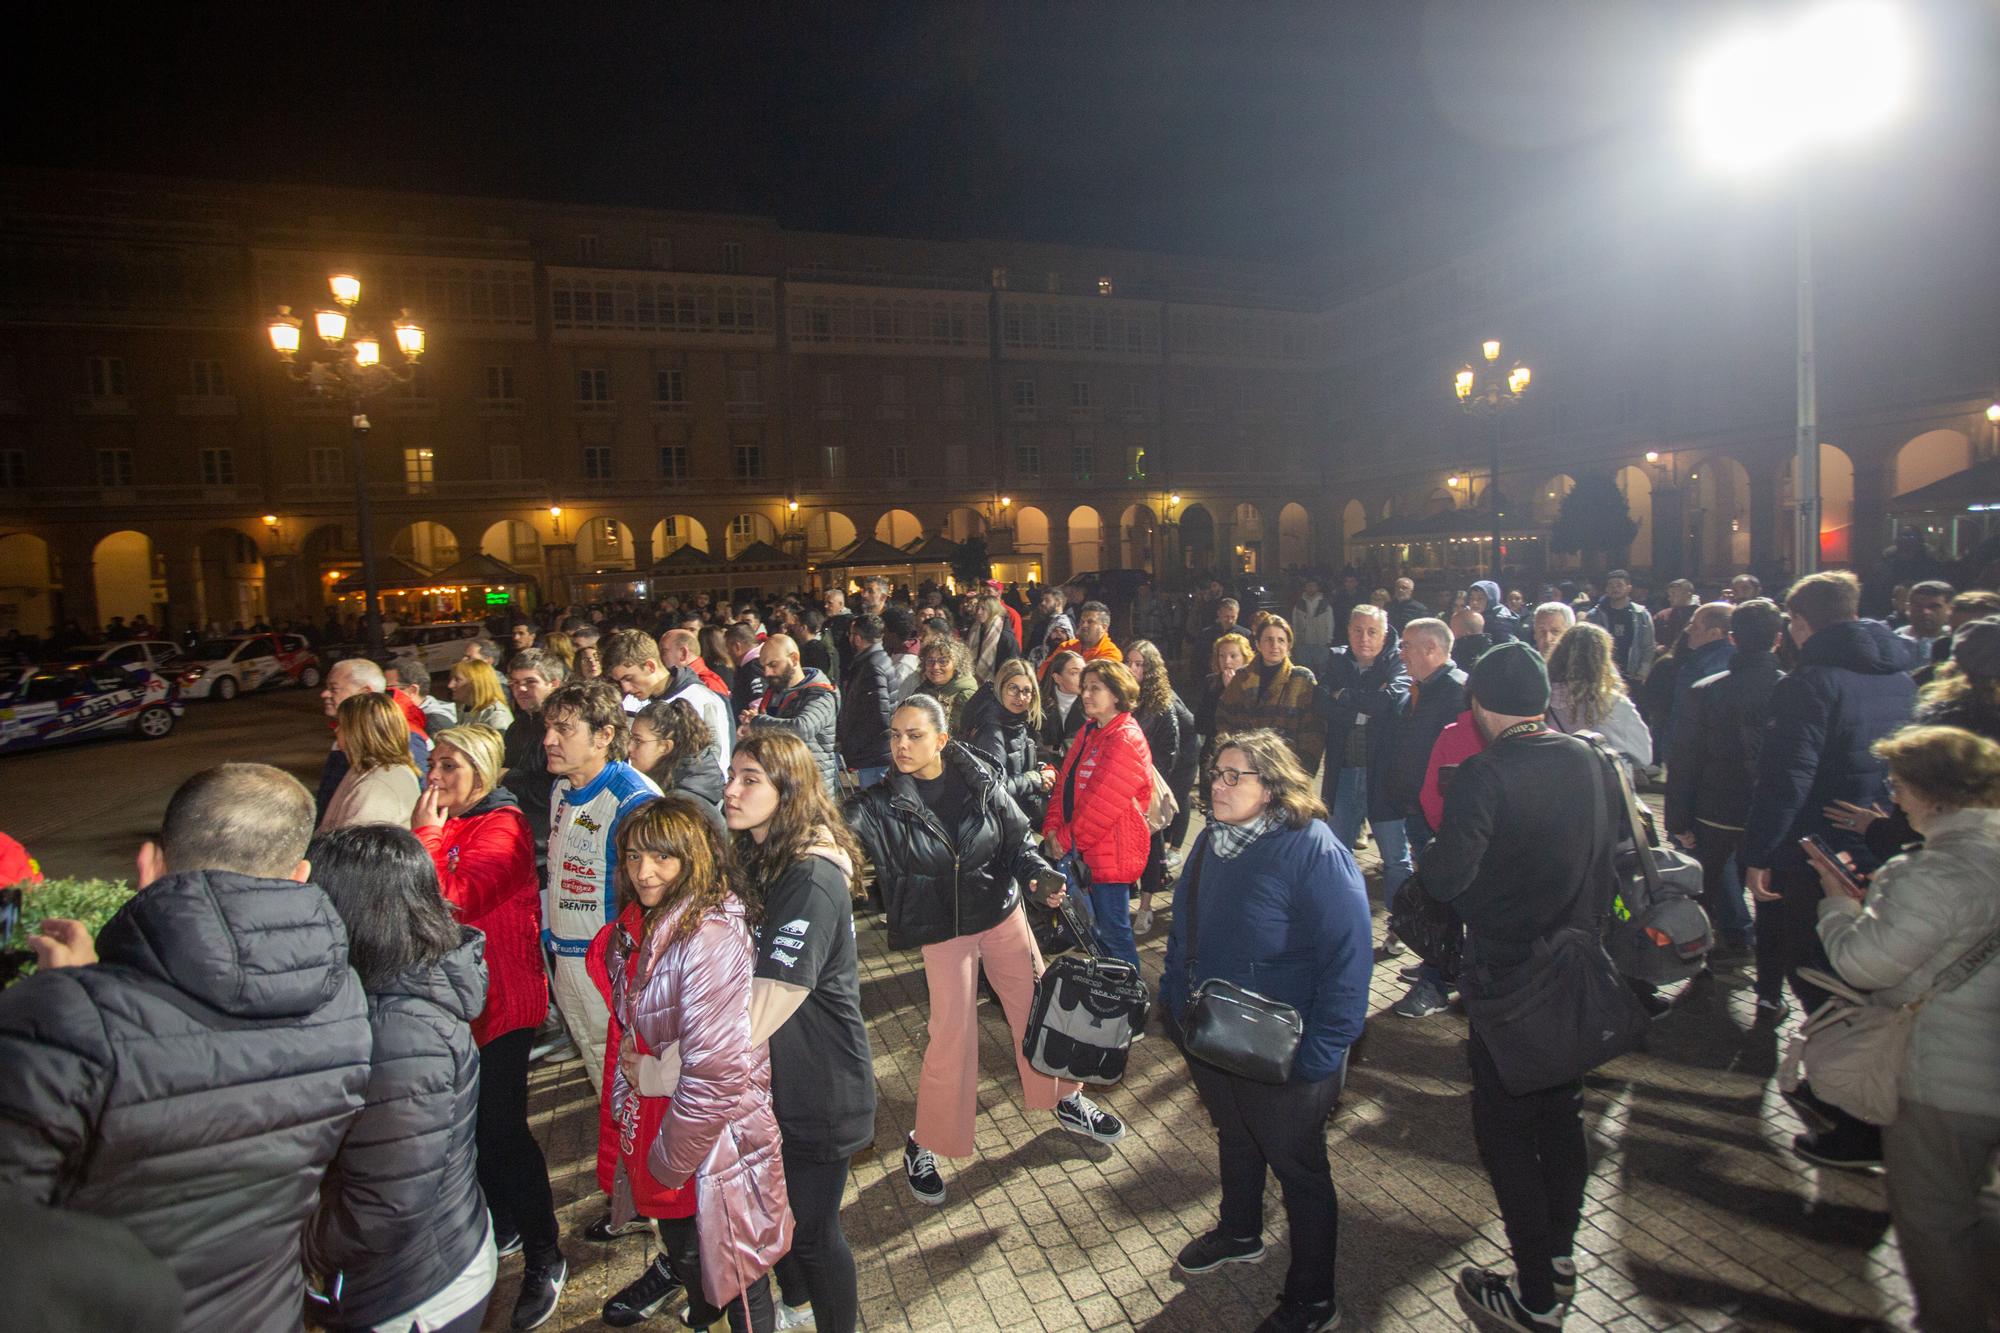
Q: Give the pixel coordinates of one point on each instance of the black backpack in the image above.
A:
(1658, 931)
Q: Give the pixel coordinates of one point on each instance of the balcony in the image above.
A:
(499, 407)
(104, 405)
(595, 407)
(746, 410)
(207, 405)
(533, 489)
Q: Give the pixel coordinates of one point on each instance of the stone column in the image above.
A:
(559, 560)
(1868, 531)
(1669, 533)
(1766, 538)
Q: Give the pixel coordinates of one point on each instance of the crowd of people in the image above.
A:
(643, 836)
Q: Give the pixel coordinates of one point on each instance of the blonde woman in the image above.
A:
(563, 646)
(1230, 655)
(1586, 693)
(381, 783)
(992, 639)
(1001, 724)
(481, 697)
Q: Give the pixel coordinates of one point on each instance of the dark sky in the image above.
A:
(1284, 131)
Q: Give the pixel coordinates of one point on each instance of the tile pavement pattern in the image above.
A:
(1696, 1218)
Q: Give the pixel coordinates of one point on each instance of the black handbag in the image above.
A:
(1236, 1030)
(1085, 1013)
(1564, 1010)
(1431, 928)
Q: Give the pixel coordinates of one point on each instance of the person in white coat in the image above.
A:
(1928, 918)
(381, 784)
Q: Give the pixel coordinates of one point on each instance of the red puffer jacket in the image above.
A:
(486, 866)
(1113, 771)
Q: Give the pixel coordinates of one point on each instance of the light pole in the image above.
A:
(1483, 392)
(1764, 99)
(346, 362)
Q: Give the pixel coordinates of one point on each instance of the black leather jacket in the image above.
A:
(940, 884)
(1006, 740)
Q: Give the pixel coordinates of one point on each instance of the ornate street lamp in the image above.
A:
(1484, 392)
(344, 361)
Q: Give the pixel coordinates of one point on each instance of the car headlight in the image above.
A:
(193, 674)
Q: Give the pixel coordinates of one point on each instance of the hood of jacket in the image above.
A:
(961, 686)
(455, 983)
(678, 680)
(826, 849)
(814, 679)
(252, 948)
(701, 776)
(1494, 603)
(1711, 657)
(500, 798)
(1865, 646)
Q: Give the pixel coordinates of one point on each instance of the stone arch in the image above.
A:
(1388, 509)
(230, 577)
(1932, 456)
(126, 569)
(745, 529)
(1636, 485)
(827, 531)
(1135, 537)
(603, 543)
(512, 542)
(1353, 522)
(678, 530)
(1031, 531)
(1718, 517)
(1247, 538)
(1294, 536)
(329, 552)
(1836, 500)
(426, 544)
(27, 582)
(1086, 540)
(963, 523)
(1198, 537)
(1548, 497)
(898, 527)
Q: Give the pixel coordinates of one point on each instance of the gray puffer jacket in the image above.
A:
(1924, 911)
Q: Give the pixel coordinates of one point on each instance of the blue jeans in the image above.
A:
(1350, 807)
(865, 778)
(1112, 906)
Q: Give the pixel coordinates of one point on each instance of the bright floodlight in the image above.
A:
(1832, 72)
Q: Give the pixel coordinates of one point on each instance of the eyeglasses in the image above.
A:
(1020, 691)
(1229, 777)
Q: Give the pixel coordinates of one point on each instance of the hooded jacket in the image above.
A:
(866, 709)
(1717, 738)
(810, 710)
(400, 1214)
(939, 883)
(1098, 807)
(1849, 691)
(1005, 740)
(954, 694)
(712, 705)
(1501, 623)
(698, 777)
(720, 1127)
(215, 991)
(1690, 666)
(485, 861)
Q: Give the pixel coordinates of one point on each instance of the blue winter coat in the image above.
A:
(1850, 690)
(1346, 692)
(1287, 918)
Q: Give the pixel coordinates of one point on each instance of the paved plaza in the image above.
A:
(1696, 1217)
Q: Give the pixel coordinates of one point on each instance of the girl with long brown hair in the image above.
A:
(381, 782)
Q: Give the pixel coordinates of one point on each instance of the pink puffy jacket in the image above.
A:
(720, 1127)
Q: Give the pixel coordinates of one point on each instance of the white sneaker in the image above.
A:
(1142, 923)
(794, 1316)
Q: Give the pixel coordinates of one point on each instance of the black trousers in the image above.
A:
(820, 1266)
(1534, 1153)
(750, 1312)
(1282, 1127)
(512, 1172)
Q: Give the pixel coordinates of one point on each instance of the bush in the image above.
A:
(91, 901)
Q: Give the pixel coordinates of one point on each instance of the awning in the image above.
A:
(1976, 488)
(482, 570)
(869, 552)
(689, 557)
(934, 549)
(392, 573)
(763, 553)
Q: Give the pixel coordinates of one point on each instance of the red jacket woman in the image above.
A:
(1098, 807)
(486, 866)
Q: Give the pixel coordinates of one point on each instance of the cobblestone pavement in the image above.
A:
(1696, 1217)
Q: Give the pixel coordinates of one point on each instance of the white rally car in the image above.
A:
(225, 668)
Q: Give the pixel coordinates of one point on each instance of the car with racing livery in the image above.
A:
(162, 655)
(77, 701)
(225, 668)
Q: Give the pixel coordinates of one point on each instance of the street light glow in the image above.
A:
(1832, 72)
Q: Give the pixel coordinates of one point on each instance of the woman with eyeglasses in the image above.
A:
(1277, 906)
(1098, 812)
(946, 667)
(1000, 724)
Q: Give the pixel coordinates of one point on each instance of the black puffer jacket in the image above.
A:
(866, 707)
(809, 710)
(1717, 736)
(400, 1212)
(194, 1084)
(1005, 740)
(940, 884)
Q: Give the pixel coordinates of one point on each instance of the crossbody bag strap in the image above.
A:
(1633, 819)
(1587, 910)
(1194, 906)
(1962, 971)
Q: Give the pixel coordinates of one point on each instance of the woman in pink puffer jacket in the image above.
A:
(690, 988)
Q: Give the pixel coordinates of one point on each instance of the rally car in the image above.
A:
(68, 701)
(160, 655)
(225, 668)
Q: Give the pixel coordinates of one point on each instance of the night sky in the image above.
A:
(1265, 131)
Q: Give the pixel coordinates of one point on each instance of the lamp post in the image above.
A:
(344, 360)
(1483, 392)
(1763, 100)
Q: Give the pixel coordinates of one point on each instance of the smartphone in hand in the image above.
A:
(1821, 853)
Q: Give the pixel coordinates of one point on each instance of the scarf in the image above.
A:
(983, 664)
(1229, 840)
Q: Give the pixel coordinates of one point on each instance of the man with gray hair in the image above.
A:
(1364, 686)
(1552, 621)
(192, 1071)
(1434, 701)
(483, 650)
(357, 675)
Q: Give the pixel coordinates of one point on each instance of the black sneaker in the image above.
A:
(1493, 1302)
(1205, 1254)
(698, 1313)
(1837, 1156)
(1301, 1317)
(642, 1299)
(1080, 1115)
(1565, 1278)
(541, 1288)
(506, 1242)
(920, 1167)
(603, 1233)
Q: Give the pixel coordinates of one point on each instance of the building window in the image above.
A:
(673, 463)
(586, 249)
(832, 390)
(1081, 458)
(104, 376)
(745, 389)
(899, 460)
(324, 466)
(951, 391)
(1079, 393)
(662, 250)
(743, 529)
(999, 279)
(1104, 286)
(503, 461)
(1024, 393)
(593, 386)
(114, 467)
(670, 388)
(833, 461)
(206, 380)
(893, 389)
(747, 461)
(732, 256)
(1028, 460)
(13, 469)
(597, 462)
(1053, 281)
(218, 467)
(500, 383)
(419, 471)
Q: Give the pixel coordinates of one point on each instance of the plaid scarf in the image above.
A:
(1228, 840)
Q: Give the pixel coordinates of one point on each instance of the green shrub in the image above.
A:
(91, 901)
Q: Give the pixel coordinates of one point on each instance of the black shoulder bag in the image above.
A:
(1236, 1030)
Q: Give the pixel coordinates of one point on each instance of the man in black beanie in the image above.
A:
(1519, 843)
